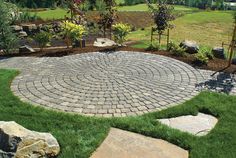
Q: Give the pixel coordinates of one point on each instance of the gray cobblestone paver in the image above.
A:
(101, 84)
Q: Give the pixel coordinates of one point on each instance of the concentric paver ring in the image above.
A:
(100, 84)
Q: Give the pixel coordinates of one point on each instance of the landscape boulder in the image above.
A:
(104, 42)
(17, 28)
(26, 49)
(190, 46)
(22, 34)
(218, 52)
(30, 28)
(234, 61)
(19, 142)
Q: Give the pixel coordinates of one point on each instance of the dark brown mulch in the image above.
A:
(215, 64)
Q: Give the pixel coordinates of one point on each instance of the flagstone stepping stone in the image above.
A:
(199, 125)
(126, 144)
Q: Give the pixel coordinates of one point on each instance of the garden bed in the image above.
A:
(215, 64)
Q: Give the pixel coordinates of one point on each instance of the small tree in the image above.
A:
(43, 39)
(107, 15)
(8, 39)
(162, 15)
(77, 15)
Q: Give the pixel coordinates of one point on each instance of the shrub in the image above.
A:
(201, 58)
(8, 40)
(153, 47)
(73, 32)
(27, 17)
(43, 39)
(208, 53)
(120, 31)
(176, 50)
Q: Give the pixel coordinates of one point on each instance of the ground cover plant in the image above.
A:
(79, 136)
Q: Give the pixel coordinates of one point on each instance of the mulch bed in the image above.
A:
(215, 64)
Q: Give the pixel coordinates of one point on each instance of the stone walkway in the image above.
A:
(105, 84)
(124, 144)
(199, 125)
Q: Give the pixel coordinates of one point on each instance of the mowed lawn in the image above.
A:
(144, 7)
(208, 28)
(79, 136)
(51, 14)
(60, 13)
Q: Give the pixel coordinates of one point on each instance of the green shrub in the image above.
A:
(201, 58)
(43, 39)
(176, 50)
(208, 53)
(27, 17)
(120, 31)
(72, 32)
(8, 40)
(153, 47)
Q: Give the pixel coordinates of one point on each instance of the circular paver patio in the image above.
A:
(104, 84)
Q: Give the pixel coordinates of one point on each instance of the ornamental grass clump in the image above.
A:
(73, 32)
(120, 31)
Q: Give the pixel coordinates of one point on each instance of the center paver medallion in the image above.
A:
(104, 84)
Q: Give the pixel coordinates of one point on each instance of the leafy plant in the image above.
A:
(162, 14)
(201, 58)
(176, 50)
(43, 39)
(73, 32)
(107, 15)
(120, 31)
(153, 47)
(8, 40)
(209, 54)
(27, 17)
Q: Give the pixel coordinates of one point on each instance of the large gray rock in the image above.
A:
(26, 49)
(104, 42)
(19, 142)
(17, 28)
(30, 28)
(22, 34)
(218, 52)
(234, 61)
(190, 46)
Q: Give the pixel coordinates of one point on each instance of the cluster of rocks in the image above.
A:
(25, 30)
(192, 47)
(19, 142)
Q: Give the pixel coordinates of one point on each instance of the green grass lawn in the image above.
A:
(79, 136)
(60, 13)
(50, 14)
(207, 28)
(144, 7)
